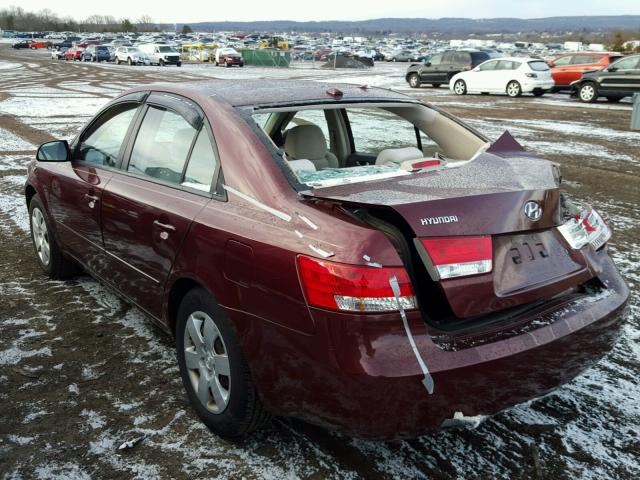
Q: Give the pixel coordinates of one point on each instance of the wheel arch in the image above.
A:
(29, 192)
(180, 286)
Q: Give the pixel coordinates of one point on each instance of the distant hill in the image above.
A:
(440, 25)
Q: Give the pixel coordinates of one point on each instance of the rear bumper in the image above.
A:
(538, 86)
(361, 376)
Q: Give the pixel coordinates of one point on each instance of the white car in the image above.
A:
(132, 56)
(513, 76)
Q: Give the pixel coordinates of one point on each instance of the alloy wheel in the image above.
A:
(414, 81)
(40, 236)
(207, 362)
(587, 92)
(513, 89)
(460, 88)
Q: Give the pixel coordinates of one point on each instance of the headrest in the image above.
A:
(302, 165)
(305, 141)
(398, 155)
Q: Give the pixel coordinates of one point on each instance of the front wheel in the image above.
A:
(161, 62)
(48, 253)
(460, 87)
(129, 61)
(588, 93)
(414, 80)
(179, 64)
(514, 89)
(213, 370)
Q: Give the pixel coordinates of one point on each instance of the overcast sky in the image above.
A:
(301, 10)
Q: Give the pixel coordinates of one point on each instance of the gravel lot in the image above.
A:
(81, 371)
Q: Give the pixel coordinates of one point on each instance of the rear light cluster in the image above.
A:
(587, 227)
(453, 257)
(531, 75)
(354, 288)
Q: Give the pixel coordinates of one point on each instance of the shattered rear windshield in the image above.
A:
(336, 146)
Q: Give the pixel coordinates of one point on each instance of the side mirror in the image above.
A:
(57, 151)
(477, 69)
(427, 64)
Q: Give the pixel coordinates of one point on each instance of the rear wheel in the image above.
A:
(49, 255)
(213, 370)
(514, 89)
(414, 80)
(588, 92)
(460, 87)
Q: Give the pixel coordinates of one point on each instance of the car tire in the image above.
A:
(179, 64)
(129, 61)
(48, 253)
(414, 80)
(514, 89)
(460, 87)
(117, 61)
(227, 64)
(217, 64)
(614, 99)
(538, 93)
(206, 342)
(588, 92)
(161, 63)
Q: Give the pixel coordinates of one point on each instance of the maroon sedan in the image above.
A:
(348, 256)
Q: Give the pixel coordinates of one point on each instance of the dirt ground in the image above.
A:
(81, 372)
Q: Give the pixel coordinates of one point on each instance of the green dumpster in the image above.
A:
(266, 57)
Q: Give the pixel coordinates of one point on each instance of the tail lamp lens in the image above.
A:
(587, 227)
(353, 288)
(459, 256)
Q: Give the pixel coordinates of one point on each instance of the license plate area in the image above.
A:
(528, 261)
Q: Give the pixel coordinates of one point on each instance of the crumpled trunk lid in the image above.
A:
(483, 197)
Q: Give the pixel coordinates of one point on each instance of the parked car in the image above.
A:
(21, 44)
(58, 54)
(40, 45)
(74, 53)
(96, 53)
(620, 79)
(65, 44)
(441, 67)
(512, 75)
(568, 68)
(228, 57)
(132, 56)
(378, 285)
(402, 56)
(161, 54)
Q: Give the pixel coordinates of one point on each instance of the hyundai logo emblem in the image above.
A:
(533, 210)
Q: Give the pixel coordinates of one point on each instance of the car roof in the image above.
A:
(283, 92)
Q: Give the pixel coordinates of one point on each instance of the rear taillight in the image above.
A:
(453, 257)
(531, 75)
(587, 227)
(353, 288)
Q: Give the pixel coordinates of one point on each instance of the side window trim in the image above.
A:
(126, 157)
(215, 190)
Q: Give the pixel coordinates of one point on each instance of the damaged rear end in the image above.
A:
(509, 291)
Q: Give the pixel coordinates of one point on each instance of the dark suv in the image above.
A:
(442, 66)
(620, 79)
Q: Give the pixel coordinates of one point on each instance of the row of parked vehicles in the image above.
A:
(586, 75)
(140, 55)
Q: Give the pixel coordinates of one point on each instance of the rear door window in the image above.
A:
(101, 144)
(448, 57)
(162, 145)
(461, 58)
(203, 164)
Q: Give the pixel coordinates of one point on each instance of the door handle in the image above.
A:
(164, 226)
(91, 198)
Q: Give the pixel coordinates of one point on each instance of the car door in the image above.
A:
(149, 205)
(480, 79)
(447, 68)
(622, 78)
(427, 72)
(561, 70)
(76, 189)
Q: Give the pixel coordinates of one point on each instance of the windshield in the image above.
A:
(166, 49)
(335, 145)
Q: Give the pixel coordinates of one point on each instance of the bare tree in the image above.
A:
(146, 23)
